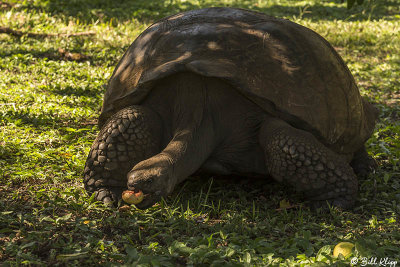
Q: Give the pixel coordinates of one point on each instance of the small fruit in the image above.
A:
(343, 248)
(132, 197)
(124, 208)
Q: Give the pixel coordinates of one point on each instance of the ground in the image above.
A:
(51, 90)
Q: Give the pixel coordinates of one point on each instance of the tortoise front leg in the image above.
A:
(296, 157)
(131, 135)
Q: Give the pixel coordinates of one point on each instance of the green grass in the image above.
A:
(48, 112)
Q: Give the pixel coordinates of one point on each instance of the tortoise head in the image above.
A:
(152, 177)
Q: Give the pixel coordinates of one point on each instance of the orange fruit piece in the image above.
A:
(132, 197)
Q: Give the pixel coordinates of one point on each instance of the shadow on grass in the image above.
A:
(78, 91)
(26, 117)
(51, 54)
(109, 55)
(44, 121)
(9, 153)
(90, 11)
(263, 190)
(246, 221)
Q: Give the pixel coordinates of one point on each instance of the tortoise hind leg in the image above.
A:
(362, 163)
(129, 136)
(297, 158)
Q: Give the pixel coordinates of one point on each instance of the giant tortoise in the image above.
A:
(230, 91)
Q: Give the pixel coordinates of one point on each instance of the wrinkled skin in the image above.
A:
(190, 123)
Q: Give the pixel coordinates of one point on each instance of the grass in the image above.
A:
(48, 111)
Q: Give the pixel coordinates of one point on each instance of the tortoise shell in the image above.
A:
(288, 70)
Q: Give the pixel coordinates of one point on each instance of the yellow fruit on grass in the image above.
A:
(343, 248)
(132, 197)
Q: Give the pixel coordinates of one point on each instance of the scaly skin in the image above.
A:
(297, 158)
(128, 137)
